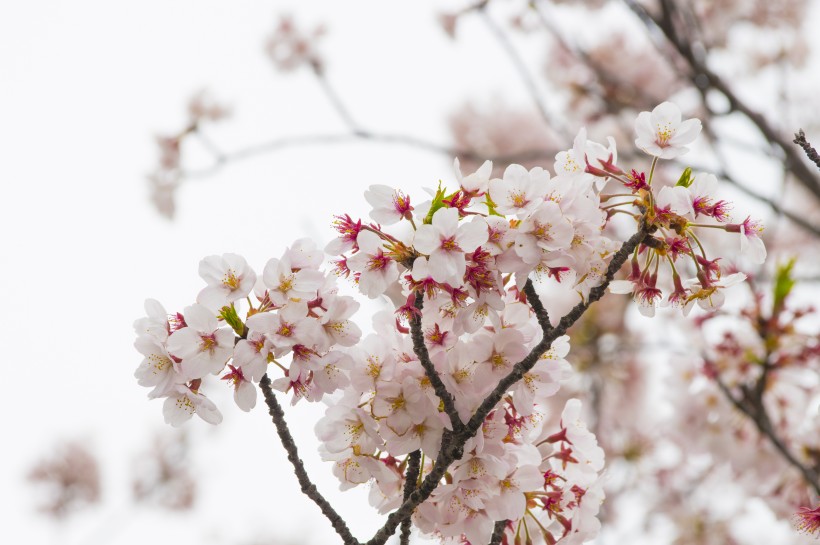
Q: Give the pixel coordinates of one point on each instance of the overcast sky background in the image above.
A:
(84, 86)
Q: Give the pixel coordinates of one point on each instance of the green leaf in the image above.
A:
(438, 203)
(783, 284)
(686, 178)
(491, 206)
(228, 313)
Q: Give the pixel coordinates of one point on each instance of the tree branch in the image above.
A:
(521, 68)
(430, 370)
(811, 153)
(308, 488)
(756, 412)
(411, 477)
(280, 144)
(498, 532)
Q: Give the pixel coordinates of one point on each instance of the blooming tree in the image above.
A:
(444, 408)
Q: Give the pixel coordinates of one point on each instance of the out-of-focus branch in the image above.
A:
(750, 403)
(703, 78)
(775, 206)
(308, 488)
(279, 144)
(520, 67)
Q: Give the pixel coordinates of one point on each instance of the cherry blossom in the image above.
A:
(389, 205)
(662, 133)
(184, 402)
(376, 270)
(229, 279)
(445, 242)
(520, 191)
(464, 281)
(203, 346)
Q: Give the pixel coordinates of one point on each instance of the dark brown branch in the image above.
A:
(498, 532)
(430, 370)
(811, 153)
(535, 302)
(410, 480)
(453, 449)
(308, 488)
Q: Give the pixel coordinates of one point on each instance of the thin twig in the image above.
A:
(334, 99)
(811, 153)
(308, 488)
(430, 370)
(279, 144)
(521, 68)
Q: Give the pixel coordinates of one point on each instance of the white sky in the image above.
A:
(84, 86)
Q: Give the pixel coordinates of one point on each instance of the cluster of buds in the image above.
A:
(458, 269)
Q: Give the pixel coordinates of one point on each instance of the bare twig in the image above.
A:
(308, 488)
(334, 98)
(521, 68)
(811, 153)
(279, 144)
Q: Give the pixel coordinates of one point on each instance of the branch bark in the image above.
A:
(308, 488)
(424, 357)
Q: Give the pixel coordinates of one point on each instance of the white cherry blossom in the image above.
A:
(520, 191)
(184, 402)
(203, 346)
(445, 241)
(376, 270)
(662, 133)
(229, 279)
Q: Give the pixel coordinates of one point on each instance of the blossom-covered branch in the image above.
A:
(469, 341)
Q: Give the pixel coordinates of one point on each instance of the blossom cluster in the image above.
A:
(459, 270)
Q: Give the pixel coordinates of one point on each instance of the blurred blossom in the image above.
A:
(290, 47)
(162, 475)
(71, 478)
(502, 132)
